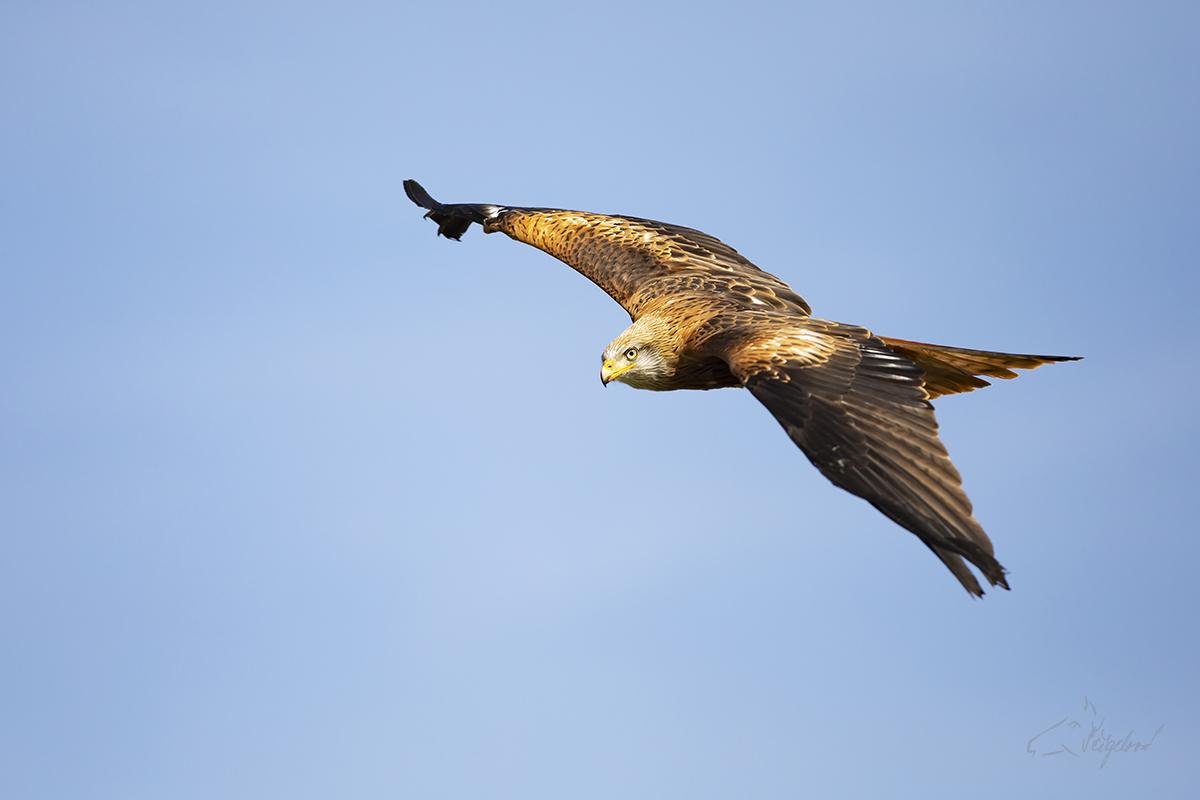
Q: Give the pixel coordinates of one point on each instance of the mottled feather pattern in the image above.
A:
(636, 261)
(856, 404)
(640, 262)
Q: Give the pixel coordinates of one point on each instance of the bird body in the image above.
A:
(704, 317)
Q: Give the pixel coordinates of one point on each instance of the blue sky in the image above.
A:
(298, 500)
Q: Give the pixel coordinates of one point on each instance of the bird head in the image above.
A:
(640, 357)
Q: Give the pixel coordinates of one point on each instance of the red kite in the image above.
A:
(704, 317)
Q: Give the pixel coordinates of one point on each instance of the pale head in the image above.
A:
(643, 356)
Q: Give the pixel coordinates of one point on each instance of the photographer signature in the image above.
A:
(1098, 740)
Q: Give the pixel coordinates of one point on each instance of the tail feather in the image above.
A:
(950, 370)
(452, 220)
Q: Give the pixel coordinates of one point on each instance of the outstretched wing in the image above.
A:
(861, 414)
(636, 261)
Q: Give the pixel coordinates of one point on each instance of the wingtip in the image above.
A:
(953, 557)
(416, 192)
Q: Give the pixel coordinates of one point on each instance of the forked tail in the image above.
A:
(950, 370)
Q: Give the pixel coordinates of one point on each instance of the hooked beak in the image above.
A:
(609, 371)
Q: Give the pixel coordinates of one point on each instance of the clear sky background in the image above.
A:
(298, 500)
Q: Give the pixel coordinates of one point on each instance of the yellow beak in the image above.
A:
(609, 371)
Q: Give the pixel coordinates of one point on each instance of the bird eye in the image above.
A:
(631, 354)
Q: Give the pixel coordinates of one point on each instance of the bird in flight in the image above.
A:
(704, 317)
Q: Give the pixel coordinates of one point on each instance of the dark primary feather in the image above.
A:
(857, 405)
(861, 415)
(453, 220)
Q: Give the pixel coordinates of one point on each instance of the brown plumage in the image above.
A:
(704, 317)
